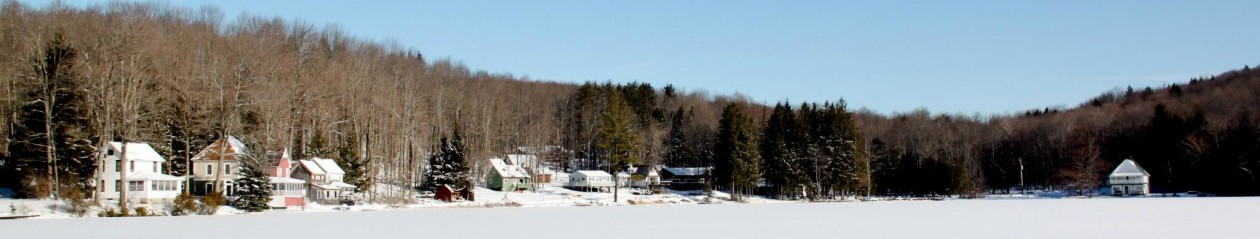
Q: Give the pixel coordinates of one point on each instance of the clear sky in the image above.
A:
(890, 56)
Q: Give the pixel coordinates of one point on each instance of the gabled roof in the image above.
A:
(329, 166)
(211, 152)
(137, 151)
(1129, 168)
(591, 173)
(648, 170)
(283, 166)
(311, 167)
(696, 171)
(507, 170)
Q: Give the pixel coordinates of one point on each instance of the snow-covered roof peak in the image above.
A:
(137, 151)
(506, 170)
(592, 173)
(1129, 168)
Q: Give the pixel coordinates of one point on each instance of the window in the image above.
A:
(117, 165)
(227, 169)
(155, 168)
(109, 152)
(156, 185)
(135, 186)
(131, 166)
(209, 169)
(117, 185)
(102, 186)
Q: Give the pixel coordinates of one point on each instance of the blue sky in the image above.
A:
(987, 57)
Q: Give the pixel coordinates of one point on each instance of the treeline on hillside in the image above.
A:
(73, 79)
(1196, 136)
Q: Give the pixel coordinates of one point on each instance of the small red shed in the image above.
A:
(445, 193)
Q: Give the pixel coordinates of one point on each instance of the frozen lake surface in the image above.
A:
(1016, 218)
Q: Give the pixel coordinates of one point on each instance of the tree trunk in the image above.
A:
(123, 169)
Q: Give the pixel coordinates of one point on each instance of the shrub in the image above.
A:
(143, 212)
(185, 204)
(34, 186)
(78, 206)
(110, 212)
(211, 202)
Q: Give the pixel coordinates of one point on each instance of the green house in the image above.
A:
(507, 177)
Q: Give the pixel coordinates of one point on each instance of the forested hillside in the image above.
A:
(72, 79)
(1195, 136)
(180, 78)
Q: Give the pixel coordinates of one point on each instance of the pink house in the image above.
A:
(285, 190)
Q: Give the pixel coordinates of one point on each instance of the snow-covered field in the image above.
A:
(1028, 218)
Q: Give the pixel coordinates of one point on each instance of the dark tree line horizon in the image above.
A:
(180, 78)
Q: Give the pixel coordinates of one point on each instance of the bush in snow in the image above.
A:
(185, 204)
(211, 202)
(77, 205)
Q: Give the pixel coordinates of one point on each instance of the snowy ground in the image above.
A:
(1032, 218)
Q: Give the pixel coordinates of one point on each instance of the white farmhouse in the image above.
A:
(145, 181)
(324, 180)
(590, 179)
(1129, 179)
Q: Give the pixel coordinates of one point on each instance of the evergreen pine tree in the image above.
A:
(616, 139)
(64, 118)
(456, 160)
(253, 189)
(781, 169)
(676, 142)
(737, 160)
(348, 157)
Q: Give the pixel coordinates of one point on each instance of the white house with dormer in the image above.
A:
(1129, 179)
(145, 181)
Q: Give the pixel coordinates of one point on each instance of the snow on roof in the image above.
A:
(506, 170)
(312, 167)
(138, 151)
(324, 186)
(1129, 168)
(649, 170)
(285, 180)
(329, 166)
(695, 171)
(211, 152)
(592, 173)
(236, 143)
(341, 185)
(623, 175)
